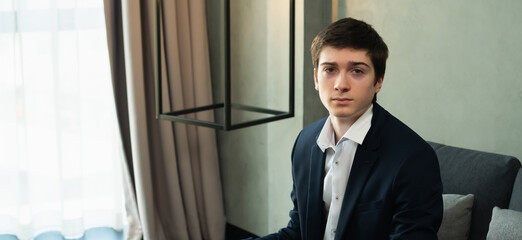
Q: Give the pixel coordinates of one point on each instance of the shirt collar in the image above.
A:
(326, 137)
(357, 132)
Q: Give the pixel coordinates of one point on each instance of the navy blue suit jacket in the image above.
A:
(394, 190)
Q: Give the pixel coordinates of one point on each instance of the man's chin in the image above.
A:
(342, 115)
(346, 115)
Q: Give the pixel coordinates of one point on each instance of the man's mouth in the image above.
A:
(342, 100)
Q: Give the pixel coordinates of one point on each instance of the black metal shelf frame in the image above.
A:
(227, 104)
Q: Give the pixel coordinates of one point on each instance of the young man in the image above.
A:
(360, 173)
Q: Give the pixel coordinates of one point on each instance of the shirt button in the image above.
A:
(337, 162)
(336, 197)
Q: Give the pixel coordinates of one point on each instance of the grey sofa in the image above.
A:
(495, 180)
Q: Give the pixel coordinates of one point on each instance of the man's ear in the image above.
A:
(378, 84)
(315, 80)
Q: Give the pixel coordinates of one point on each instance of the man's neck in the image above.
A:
(341, 125)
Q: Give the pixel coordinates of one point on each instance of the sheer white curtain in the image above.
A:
(60, 150)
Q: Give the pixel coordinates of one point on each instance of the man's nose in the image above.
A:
(341, 83)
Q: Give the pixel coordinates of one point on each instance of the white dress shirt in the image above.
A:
(338, 164)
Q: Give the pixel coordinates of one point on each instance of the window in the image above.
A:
(60, 150)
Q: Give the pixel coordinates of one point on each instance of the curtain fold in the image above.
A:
(117, 62)
(176, 169)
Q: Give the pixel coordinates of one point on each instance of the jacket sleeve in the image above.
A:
(418, 198)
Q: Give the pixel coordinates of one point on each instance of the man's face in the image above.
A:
(345, 80)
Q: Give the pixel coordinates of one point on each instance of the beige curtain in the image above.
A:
(174, 167)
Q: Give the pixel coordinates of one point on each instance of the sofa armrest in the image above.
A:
(516, 196)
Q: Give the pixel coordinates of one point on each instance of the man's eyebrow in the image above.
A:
(349, 63)
(358, 63)
(328, 64)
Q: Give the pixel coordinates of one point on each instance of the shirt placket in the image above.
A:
(336, 193)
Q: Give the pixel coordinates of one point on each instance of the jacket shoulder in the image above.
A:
(393, 132)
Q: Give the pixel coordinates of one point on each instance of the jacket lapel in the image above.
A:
(315, 206)
(365, 157)
(361, 168)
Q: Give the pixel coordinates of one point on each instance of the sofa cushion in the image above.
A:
(488, 176)
(457, 217)
(505, 224)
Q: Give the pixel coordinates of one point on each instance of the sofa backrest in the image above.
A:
(490, 177)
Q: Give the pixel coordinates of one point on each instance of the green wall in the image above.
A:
(452, 76)
(454, 72)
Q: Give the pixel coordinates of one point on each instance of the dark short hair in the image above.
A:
(352, 33)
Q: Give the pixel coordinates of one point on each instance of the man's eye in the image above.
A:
(357, 71)
(328, 70)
